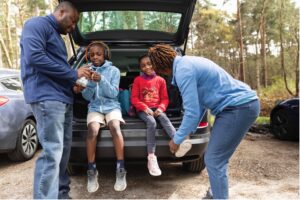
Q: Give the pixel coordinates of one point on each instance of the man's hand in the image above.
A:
(84, 72)
(77, 88)
(95, 76)
(173, 147)
(157, 112)
(148, 111)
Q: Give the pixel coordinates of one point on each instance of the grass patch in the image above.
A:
(262, 120)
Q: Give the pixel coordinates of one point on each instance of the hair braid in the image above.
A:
(162, 57)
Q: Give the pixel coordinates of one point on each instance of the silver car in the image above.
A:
(18, 133)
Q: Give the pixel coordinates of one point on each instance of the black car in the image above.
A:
(284, 120)
(129, 28)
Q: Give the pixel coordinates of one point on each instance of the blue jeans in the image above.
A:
(54, 126)
(151, 128)
(228, 130)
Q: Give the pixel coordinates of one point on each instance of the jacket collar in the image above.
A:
(53, 22)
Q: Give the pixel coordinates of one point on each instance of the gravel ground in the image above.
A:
(261, 168)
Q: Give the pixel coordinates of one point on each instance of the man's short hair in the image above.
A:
(65, 4)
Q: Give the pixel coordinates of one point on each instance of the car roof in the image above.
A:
(9, 72)
(122, 36)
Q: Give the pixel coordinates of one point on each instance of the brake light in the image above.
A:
(202, 125)
(3, 100)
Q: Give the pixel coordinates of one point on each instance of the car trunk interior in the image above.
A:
(127, 62)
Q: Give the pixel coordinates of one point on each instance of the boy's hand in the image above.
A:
(95, 76)
(84, 72)
(148, 111)
(77, 89)
(157, 112)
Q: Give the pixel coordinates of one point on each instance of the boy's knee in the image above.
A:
(93, 131)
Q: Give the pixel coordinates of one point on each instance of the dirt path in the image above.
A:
(261, 168)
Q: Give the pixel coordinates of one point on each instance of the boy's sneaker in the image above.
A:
(153, 167)
(120, 184)
(92, 185)
(184, 147)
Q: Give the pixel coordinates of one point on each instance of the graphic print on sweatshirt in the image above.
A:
(149, 94)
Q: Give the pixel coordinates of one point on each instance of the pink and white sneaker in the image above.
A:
(153, 167)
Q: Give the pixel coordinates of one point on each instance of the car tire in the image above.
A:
(281, 126)
(27, 142)
(195, 166)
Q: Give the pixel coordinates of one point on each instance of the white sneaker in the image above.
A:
(92, 185)
(153, 167)
(121, 183)
(184, 147)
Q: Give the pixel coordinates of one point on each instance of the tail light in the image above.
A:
(3, 100)
(202, 125)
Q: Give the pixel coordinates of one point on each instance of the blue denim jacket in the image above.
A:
(205, 85)
(103, 95)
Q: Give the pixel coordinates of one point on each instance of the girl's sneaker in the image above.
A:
(153, 167)
(184, 147)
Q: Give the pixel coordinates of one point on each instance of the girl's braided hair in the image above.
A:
(162, 56)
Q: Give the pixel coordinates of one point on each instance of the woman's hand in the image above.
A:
(173, 147)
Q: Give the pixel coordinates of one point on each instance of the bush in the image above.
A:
(273, 94)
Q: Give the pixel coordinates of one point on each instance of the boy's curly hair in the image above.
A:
(162, 56)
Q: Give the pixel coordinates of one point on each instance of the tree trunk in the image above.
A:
(241, 53)
(257, 68)
(4, 48)
(8, 32)
(263, 51)
(282, 48)
(297, 60)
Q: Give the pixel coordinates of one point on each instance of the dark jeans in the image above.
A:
(151, 128)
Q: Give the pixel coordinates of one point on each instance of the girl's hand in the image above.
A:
(148, 111)
(95, 76)
(157, 112)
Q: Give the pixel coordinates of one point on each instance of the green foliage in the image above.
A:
(272, 94)
(129, 20)
(262, 120)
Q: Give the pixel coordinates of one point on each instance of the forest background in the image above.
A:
(257, 43)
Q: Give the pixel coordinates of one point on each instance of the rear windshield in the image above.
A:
(128, 20)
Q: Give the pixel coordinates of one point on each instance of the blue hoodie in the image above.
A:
(205, 85)
(45, 72)
(103, 95)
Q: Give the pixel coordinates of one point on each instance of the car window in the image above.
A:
(128, 20)
(12, 83)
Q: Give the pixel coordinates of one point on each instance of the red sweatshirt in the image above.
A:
(151, 93)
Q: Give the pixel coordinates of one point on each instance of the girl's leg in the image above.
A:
(228, 130)
(166, 124)
(151, 129)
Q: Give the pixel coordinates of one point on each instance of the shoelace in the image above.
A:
(153, 163)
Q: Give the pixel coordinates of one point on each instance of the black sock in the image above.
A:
(120, 164)
(92, 166)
